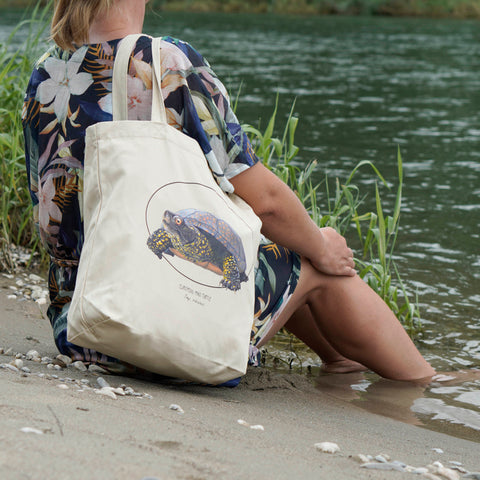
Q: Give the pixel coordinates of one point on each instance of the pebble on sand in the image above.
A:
(361, 458)
(79, 366)
(102, 383)
(64, 360)
(18, 363)
(8, 366)
(327, 447)
(32, 355)
(438, 469)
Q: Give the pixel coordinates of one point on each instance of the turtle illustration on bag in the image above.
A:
(203, 239)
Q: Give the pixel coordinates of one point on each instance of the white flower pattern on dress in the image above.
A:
(64, 81)
(48, 209)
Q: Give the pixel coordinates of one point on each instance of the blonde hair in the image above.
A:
(72, 19)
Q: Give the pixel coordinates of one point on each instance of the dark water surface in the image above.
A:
(363, 86)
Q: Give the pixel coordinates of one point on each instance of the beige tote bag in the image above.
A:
(166, 276)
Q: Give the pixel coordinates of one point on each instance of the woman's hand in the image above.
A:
(334, 256)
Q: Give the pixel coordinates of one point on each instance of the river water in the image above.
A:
(363, 87)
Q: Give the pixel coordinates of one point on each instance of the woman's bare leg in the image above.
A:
(302, 324)
(356, 323)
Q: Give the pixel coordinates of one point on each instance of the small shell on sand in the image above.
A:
(257, 427)
(176, 408)
(107, 391)
(327, 447)
(31, 430)
(253, 427)
(397, 466)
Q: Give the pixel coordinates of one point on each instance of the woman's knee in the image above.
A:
(318, 284)
(312, 280)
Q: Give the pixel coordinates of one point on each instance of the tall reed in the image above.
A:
(15, 67)
(339, 206)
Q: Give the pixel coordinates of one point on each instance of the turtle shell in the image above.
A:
(219, 229)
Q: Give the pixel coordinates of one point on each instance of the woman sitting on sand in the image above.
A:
(308, 284)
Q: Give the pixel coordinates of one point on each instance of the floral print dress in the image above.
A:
(69, 91)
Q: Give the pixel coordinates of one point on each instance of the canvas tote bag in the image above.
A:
(166, 275)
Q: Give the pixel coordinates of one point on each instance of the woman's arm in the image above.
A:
(198, 101)
(286, 222)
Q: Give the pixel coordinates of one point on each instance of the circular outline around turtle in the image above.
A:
(150, 200)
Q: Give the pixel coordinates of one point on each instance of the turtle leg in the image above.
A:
(159, 241)
(231, 275)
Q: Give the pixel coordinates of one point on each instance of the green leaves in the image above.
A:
(374, 231)
(15, 68)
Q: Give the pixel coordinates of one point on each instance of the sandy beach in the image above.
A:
(54, 425)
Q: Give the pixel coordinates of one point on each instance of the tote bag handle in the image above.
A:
(119, 80)
(119, 95)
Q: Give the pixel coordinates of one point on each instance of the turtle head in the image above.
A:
(175, 225)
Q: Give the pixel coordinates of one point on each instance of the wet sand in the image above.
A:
(94, 436)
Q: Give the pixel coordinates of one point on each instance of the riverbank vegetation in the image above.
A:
(16, 63)
(423, 8)
(338, 203)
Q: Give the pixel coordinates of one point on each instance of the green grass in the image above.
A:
(375, 232)
(15, 68)
(331, 202)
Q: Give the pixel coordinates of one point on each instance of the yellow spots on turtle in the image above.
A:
(205, 240)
